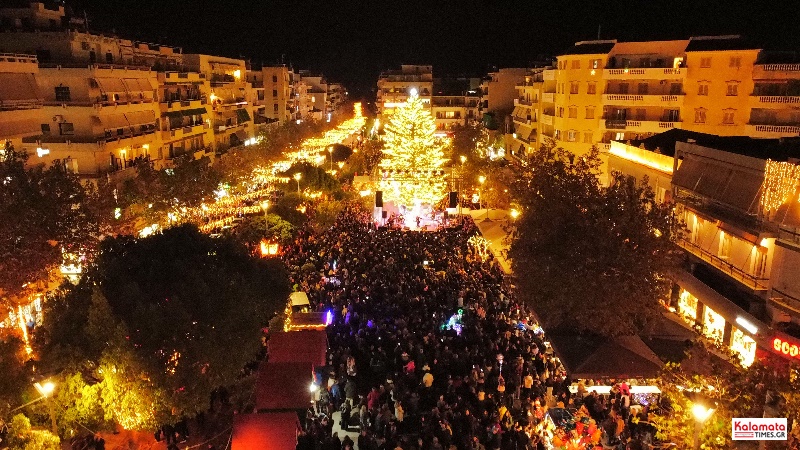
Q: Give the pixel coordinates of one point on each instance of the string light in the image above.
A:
(780, 182)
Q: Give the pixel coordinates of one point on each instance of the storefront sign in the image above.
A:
(786, 348)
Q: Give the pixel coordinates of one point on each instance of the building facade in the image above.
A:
(601, 91)
(394, 87)
(498, 89)
(738, 199)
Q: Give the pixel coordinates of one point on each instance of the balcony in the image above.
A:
(522, 120)
(643, 73)
(643, 100)
(549, 97)
(775, 71)
(549, 75)
(547, 119)
(642, 126)
(772, 131)
(16, 105)
(177, 133)
(183, 77)
(752, 282)
(773, 101)
(178, 105)
(520, 101)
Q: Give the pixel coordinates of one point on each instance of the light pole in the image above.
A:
(297, 177)
(701, 414)
(330, 152)
(460, 178)
(265, 207)
(481, 180)
(44, 390)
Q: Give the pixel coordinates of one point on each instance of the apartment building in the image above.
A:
(601, 91)
(738, 197)
(522, 134)
(394, 87)
(185, 123)
(498, 89)
(279, 93)
(21, 103)
(96, 120)
(231, 112)
(455, 102)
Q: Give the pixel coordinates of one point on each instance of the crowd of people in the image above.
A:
(430, 350)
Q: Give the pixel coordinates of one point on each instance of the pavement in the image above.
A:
(492, 230)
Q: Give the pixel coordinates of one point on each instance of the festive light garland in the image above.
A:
(780, 182)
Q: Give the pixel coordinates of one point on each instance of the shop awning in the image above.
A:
(137, 85)
(735, 186)
(294, 379)
(114, 121)
(306, 345)
(268, 431)
(15, 128)
(111, 85)
(174, 114)
(137, 118)
(242, 115)
(17, 87)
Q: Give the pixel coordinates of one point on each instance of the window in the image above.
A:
(572, 136)
(643, 88)
(587, 137)
(576, 64)
(733, 89)
(623, 88)
(736, 61)
(705, 62)
(109, 58)
(573, 87)
(62, 94)
(727, 116)
(724, 245)
(84, 45)
(760, 263)
(595, 64)
(274, 78)
(700, 115)
(557, 135)
(274, 92)
(641, 113)
(590, 112)
(275, 107)
(591, 88)
(46, 129)
(672, 115)
(66, 128)
(702, 88)
(675, 89)
(573, 112)
(450, 115)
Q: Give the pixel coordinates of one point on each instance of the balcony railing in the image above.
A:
(616, 124)
(787, 99)
(548, 97)
(785, 300)
(751, 281)
(547, 119)
(645, 73)
(633, 100)
(522, 120)
(781, 67)
(772, 130)
(522, 101)
(647, 126)
(10, 105)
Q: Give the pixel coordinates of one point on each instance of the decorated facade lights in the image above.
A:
(780, 183)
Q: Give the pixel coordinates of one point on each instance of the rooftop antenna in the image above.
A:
(598, 31)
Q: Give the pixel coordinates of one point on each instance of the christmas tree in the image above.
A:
(414, 156)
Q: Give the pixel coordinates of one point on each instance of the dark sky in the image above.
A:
(352, 41)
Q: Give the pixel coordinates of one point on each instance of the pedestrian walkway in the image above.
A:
(492, 230)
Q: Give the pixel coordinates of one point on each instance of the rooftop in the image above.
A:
(591, 47)
(720, 43)
(775, 149)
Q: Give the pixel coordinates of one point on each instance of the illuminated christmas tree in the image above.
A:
(414, 157)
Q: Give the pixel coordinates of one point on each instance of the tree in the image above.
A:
(313, 177)
(16, 374)
(157, 319)
(588, 257)
(43, 213)
(767, 388)
(22, 437)
(257, 227)
(414, 155)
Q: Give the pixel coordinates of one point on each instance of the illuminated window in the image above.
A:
(744, 346)
(724, 251)
(595, 63)
(713, 325)
(760, 262)
(687, 307)
(572, 136)
(695, 230)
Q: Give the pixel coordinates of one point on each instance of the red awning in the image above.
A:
(299, 346)
(268, 431)
(284, 386)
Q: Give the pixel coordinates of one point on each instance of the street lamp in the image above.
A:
(701, 414)
(297, 177)
(45, 390)
(265, 207)
(340, 164)
(481, 180)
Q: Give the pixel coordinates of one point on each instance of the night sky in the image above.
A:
(353, 41)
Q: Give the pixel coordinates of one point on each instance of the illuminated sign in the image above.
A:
(785, 348)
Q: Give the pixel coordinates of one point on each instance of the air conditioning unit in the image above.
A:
(58, 118)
